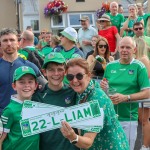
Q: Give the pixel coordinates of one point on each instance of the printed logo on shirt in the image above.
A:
(113, 71)
(131, 72)
(68, 100)
(123, 69)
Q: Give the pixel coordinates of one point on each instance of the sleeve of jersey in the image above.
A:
(7, 119)
(143, 78)
(77, 54)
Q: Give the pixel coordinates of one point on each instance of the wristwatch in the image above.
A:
(129, 98)
(75, 140)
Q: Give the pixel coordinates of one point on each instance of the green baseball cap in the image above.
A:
(54, 57)
(21, 71)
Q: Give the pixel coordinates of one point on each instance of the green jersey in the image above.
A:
(46, 50)
(54, 139)
(127, 79)
(117, 20)
(111, 136)
(11, 117)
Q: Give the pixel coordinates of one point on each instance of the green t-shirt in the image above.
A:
(11, 117)
(127, 79)
(31, 48)
(54, 139)
(117, 20)
(111, 135)
(46, 50)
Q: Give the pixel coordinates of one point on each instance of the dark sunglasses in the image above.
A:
(78, 76)
(100, 46)
(102, 21)
(136, 29)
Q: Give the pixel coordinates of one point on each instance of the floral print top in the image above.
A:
(111, 136)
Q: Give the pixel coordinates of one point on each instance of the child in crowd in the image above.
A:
(24, 82)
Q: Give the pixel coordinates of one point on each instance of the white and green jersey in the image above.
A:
(127, 79)
(11, 117)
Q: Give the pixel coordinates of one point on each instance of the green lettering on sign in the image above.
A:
(74, 117)
(87, 112)
(68, 120)
(53, 121)
(79, 114)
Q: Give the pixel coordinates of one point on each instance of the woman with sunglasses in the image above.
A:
(110, 33)
(102, 50)
(111, 135)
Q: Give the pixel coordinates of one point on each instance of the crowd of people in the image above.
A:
(109, 63)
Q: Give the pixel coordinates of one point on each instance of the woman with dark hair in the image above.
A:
(111, 135)
(102, 50)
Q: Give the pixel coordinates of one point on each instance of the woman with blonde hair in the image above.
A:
(110, 33)
(102, 50)
(144, 113)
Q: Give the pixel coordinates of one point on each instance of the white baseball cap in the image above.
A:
(70, 33)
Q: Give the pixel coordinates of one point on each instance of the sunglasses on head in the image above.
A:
(136, 29)
(100, 46)
(79, 76)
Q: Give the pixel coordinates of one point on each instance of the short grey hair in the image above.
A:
(6, 31)
(113, 3)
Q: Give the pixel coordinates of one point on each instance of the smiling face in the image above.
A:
(25, 87)
(55, 75)
(101, 47)
(78, 85)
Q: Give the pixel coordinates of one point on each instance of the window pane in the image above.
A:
(74, 19)
(90, 16)
(57, 21)
(35, 25)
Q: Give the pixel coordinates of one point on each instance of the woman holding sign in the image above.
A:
(111, 135)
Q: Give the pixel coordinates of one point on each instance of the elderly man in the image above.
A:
(129, 78)
(68, 42)
(85, 35)
(117, 19)
(8, 63)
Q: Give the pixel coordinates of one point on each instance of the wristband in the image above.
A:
(75, 140)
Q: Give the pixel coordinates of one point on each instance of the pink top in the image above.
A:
(109, 34)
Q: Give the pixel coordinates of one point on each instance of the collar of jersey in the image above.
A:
(14, 98)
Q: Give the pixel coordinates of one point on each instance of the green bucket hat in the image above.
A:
(21, 71)
(54, 57)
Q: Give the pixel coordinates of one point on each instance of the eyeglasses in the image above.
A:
(136, 29)
(101, 21)
(79, 76)
(100, 46)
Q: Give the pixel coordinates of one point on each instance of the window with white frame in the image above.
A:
(58, 21)
(73, 19)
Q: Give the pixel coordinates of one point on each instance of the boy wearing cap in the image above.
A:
(24, 82)
(68, 41)
(55, 93)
